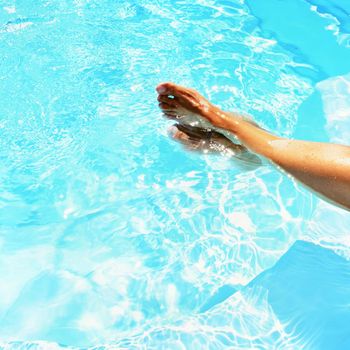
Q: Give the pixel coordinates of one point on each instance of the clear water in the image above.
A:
(112, 235)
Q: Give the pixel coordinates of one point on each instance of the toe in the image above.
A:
(165, 88)
(177, 134)
(165, 106)
(171, 89)
(187, 97)
(169, 114)
(167, 100)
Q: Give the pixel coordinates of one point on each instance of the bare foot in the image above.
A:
(196, 139)
(188, 107)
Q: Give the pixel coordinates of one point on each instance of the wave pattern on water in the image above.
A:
(107, 226)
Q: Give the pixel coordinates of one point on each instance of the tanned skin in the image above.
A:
(322, 167)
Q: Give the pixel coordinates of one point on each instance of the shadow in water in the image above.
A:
(309, 291)
(309, 288)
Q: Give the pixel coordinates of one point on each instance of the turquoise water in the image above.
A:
(111, 234)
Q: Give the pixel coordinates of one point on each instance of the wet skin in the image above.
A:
(322, 167)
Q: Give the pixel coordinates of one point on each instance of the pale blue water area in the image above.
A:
(112, 236)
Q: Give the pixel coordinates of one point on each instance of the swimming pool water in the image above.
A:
(111, 234)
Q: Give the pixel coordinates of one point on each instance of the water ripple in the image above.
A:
(108, 227)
